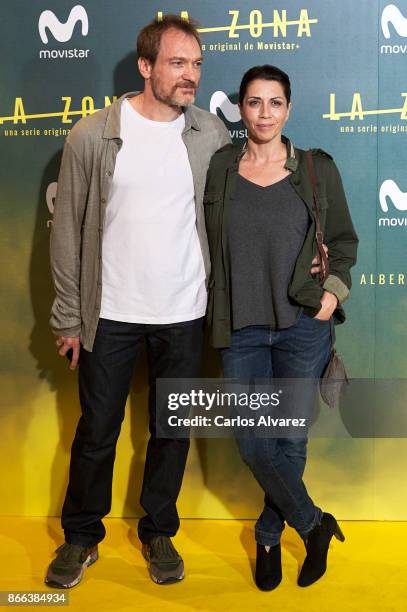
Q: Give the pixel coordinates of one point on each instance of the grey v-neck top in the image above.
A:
(267, 229)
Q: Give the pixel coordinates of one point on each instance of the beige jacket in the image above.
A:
(84, 182)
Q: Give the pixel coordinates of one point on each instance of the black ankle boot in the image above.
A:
(317, 545)
(268, 567)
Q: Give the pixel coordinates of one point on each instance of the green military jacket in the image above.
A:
(336, 224)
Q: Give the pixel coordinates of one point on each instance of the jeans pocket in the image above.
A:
(320, 320)
(306, 317)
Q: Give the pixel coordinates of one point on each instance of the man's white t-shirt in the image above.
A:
(152, 264)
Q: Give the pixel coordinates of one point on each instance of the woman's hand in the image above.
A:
(329, 302)
(316, 262)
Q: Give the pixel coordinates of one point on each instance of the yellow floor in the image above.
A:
(368, 572)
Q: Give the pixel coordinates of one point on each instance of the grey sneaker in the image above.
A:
(67, 568)
(164, 563)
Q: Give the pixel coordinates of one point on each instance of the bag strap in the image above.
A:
(324, 272)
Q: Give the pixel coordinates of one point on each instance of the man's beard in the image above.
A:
(174, 97)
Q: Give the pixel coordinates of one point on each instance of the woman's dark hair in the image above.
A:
(266, 73)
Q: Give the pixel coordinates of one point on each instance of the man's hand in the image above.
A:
(329, 302)
(64, 344)
(316, 262)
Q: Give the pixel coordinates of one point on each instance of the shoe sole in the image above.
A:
(167, 580)
(90, 560)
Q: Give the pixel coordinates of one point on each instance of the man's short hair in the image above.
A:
(149, 39)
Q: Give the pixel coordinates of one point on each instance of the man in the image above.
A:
(130, 264)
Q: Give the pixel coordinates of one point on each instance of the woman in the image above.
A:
(267, 313)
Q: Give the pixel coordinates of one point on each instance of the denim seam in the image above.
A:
(298, 510)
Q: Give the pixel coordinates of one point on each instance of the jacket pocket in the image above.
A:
(322, 203)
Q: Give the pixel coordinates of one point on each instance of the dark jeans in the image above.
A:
(105, 374)
(300, 351)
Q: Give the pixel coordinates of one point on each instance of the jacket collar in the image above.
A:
(292, 161)
(112, 126)
(191, 119)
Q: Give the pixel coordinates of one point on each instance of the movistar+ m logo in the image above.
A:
(230, 111)
(390, 190)
(392, 15)
(220, 100)
(62, 31)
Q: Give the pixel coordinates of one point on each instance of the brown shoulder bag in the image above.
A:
(334, 377)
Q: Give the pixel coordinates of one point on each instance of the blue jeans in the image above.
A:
(300, 351)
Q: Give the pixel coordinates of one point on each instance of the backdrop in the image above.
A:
(348, 66)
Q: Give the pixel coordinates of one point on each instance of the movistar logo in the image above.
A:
(392, 15)
(62, 31)
(389, 190)
(229, 110)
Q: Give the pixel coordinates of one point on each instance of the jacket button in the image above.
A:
(109, 173)
(103, 201)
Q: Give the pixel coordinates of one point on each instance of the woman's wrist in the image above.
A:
(329, 298)
(329, 302)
